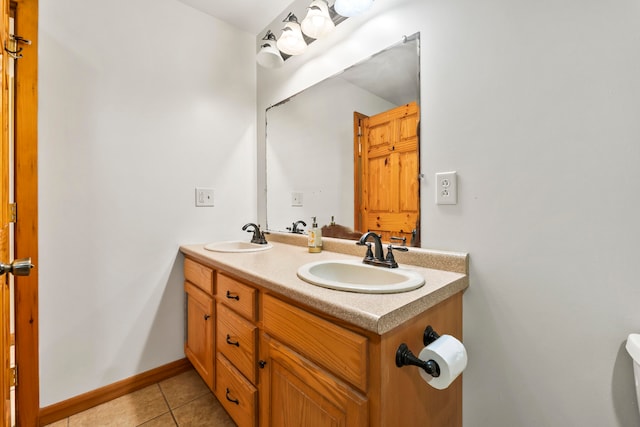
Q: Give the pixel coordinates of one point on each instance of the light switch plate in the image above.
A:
(446, 188)
(204, 196)
(296, 199)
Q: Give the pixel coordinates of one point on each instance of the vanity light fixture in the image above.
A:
(269, 56)
(318, 22)
(291, 40)
(351, 8)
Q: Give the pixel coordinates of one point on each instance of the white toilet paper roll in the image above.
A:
(451, 357)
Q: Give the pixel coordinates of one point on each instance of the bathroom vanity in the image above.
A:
(278, 351)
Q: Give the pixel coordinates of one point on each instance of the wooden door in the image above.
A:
(296, 392)
(389, 161)
(6, 240)
(18, 159)
(25, 134)
(5, 243)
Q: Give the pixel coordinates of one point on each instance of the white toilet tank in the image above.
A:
(633, 347)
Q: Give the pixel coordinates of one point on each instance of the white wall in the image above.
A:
(535, 105)
(140, 101)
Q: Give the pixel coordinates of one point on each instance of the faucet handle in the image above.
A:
(261, 239)
(369, 254)
(400, 239)
(390, 259)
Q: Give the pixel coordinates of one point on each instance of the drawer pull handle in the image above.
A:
(236, 343)
(235, 297)
(236, 401)
(207, 317)
(262, 364)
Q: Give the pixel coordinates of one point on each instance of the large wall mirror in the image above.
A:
(346, 150)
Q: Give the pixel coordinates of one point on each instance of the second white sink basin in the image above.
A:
(354, 276)
(236, 246)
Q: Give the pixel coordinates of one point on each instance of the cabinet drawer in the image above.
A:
(236, 338)
(199, 275)
(237, 395)
(339, 350)
(240, 297)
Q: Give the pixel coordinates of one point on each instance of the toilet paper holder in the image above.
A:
(404, 356)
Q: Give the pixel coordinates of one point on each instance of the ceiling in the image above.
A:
(251, 16)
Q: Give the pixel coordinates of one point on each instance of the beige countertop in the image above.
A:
(275, 269)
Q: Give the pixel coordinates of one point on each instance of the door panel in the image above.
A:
(24, 161)
(5, 240)
(390, 163)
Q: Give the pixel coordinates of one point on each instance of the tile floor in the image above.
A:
(183, 400)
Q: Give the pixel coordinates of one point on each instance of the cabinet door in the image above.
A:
(199, 345)
(295, 392)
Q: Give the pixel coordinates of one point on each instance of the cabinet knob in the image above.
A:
(206, 317)
(262, 364)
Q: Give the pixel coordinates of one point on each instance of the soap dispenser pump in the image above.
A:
(315, 237)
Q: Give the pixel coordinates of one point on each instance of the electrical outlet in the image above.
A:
(446, 188)
(204, 196)
(296, 199)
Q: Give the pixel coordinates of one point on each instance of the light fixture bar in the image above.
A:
(336, 18)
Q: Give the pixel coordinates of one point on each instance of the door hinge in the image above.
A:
(13, 212)
(12, 46)
(13, 376)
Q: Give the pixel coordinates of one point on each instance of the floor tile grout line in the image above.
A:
(205, 392)
(155, 418)
(187, 403)
(164, 396)
(174, 419)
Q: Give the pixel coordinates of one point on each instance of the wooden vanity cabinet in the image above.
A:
(276, 363)
(199, 344)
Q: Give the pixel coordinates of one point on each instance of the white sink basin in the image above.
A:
(354, 276)
(236, 246)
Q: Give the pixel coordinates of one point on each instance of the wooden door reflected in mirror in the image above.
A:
(387, 167)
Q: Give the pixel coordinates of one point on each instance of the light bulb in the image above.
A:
(291, 40)
(318, 22)
(351, 8)
(269, 55)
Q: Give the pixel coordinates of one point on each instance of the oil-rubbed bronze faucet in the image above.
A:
(258, 236)
(294, 227)
(377, 257)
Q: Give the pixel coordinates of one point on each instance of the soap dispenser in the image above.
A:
(315, 237)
